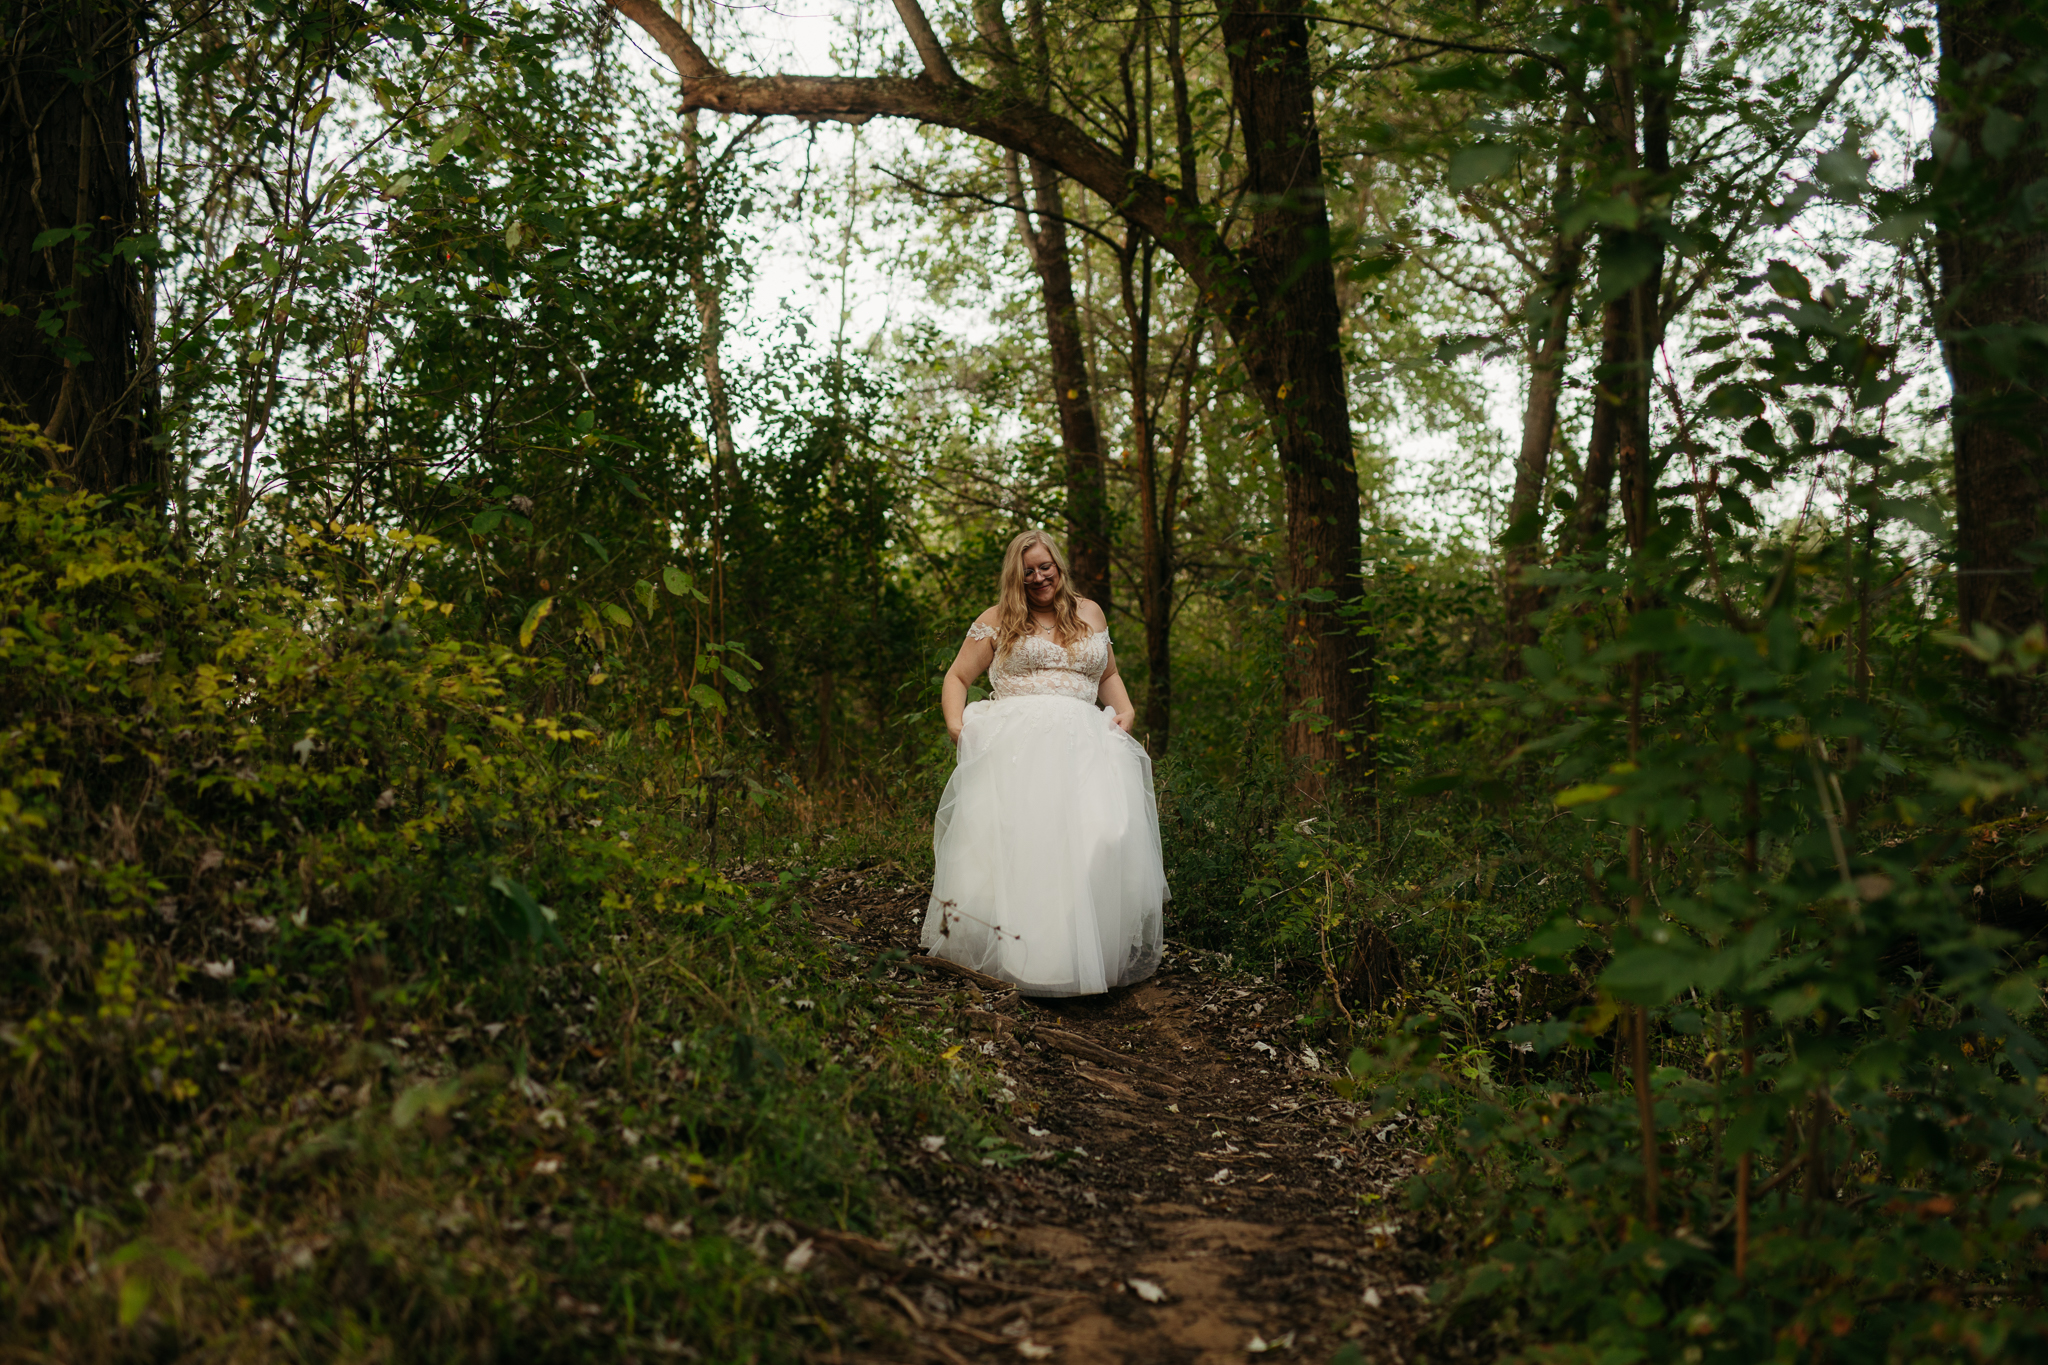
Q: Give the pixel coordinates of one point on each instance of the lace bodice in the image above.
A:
(1038, 667)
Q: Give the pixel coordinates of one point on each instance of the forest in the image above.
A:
(489, 491)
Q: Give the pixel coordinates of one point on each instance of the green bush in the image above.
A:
(359, 1000)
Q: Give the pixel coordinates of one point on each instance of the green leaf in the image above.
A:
(707, 698)
(1478, 164)
(676, 581)
(135, 1294)
(56, 236)
(2001, 133)
(438, 149)
(732, 676)
(1648, 976)
(535, 614)
(1555, 939)
(1365, 268)
(314, 114)
(643, 593)
(215, 59)
(1844, 169)
(1789, 283)
(1524, 530)
(1584, 794)
(537, 919)
(617, 614)
(428, 1097)
(1735, 400)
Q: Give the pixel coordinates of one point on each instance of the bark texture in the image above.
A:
(1088, 538)
(1293, 325)
(1524, 547)
(77, 321)
(1993, 245)
(1594, 499)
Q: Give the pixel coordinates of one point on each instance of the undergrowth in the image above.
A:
(362, 1001)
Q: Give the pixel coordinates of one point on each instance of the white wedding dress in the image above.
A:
(1047, 838)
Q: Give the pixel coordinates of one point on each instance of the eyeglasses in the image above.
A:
(1048, 573)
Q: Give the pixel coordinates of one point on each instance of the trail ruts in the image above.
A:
(1192, 1190)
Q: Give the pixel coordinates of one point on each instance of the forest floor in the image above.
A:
(1181, 1182)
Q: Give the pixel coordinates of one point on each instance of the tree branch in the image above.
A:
(937, 65)
(995, 116)
(674, 40)
(1016, 203)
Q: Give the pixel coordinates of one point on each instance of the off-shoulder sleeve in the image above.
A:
(978, 631)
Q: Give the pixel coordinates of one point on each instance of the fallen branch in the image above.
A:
(1081, 1047)
(981, 979)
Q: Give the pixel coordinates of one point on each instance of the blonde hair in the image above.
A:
(1013, 620)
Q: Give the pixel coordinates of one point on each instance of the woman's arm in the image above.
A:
(1110, 692)
(970, 663)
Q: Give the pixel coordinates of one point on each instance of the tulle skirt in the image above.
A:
(1047, 839)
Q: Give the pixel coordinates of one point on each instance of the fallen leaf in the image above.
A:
(1031, 1350)
(932, 1143)
(799, 1256)
(1146, 1290)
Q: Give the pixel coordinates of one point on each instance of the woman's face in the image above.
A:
(1041, 576)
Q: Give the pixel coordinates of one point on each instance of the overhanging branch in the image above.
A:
(1005, 118)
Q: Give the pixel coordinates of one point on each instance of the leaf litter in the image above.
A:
(1090, 1230)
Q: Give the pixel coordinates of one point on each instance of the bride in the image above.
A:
(1047, 837)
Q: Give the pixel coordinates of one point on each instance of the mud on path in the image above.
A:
(1180, 1184)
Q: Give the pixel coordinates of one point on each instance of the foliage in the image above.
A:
(1778, 847)
(371, 982)
(362, 1000)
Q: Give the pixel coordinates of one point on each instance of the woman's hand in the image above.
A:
(953, 733)
(1126, 717)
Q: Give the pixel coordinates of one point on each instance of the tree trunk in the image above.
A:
(710, 324)
(1524, 539)
(1991, 244)
(1155, 568)
(77, 327)
(1088, 538)
(1593, 498)
(1159, 563)
(1294, 327)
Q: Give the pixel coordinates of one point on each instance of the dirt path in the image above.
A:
(1181, 1184)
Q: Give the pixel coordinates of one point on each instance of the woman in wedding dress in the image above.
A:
(1047, 837)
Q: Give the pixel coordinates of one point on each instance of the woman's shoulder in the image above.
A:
(986, 625)
(1090, 614)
